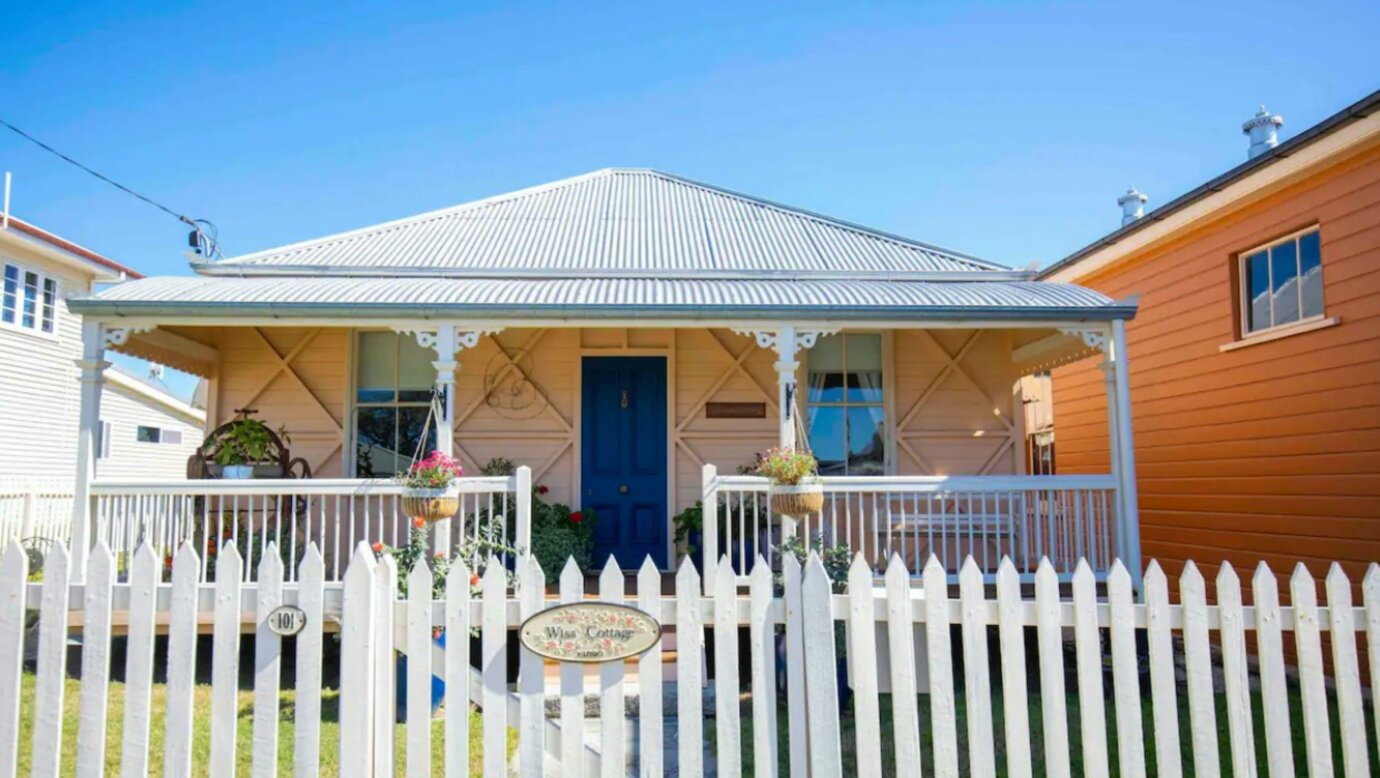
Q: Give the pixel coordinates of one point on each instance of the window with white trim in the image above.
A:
(845, 413)
(147, 434)
(28, 299)
(393, 383)
(1281, 282)
(103, 441)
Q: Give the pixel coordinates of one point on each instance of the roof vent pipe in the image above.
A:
(1132, 206)
(1263, 129)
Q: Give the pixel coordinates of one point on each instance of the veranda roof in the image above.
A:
(616, 243)
(601, 297)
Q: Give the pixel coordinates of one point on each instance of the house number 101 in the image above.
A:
(287, 620)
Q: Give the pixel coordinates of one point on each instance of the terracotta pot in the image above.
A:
(430, 505)
(797, 499)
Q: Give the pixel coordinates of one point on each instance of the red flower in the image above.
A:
(577, 517)
(419, 523)
(542, 489)
(378, 548)
(440, 555)
(474, 579)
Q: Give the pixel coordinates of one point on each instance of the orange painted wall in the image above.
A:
(1268, 452)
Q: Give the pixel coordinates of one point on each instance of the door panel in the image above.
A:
(623, 448)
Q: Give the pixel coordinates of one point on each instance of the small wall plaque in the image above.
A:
(735, 410)
(287, 620)
(590, 632)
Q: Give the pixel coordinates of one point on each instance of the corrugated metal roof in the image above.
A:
(339, 296)
(616, 222)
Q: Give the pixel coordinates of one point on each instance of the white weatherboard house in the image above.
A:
(40, 345)
(634, 338)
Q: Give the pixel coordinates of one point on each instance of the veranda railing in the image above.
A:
(1025, 519)
(336, 514)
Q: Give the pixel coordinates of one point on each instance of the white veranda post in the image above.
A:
(446, 341)
(92, 376)
(786, 341)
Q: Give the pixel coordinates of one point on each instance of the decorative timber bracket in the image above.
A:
(1092, 338)
(447, 340)
(119, 336)
(786, 342)
(774, 340)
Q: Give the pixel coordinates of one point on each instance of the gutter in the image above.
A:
(1353, 113)
(116, 308)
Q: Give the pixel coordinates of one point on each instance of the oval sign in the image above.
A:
(286, 620)
(590, 632)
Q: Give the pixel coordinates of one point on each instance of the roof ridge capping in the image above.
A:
(715, 250)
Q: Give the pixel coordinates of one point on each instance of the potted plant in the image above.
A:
(795, 486)
(244, 443)
(430, 495)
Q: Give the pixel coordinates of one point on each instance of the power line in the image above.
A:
(204, 229)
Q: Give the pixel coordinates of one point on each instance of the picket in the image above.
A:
(1202, 713)
(1011, 628)
(649, 721)
(611, 674)
(727, 721)
(493, 644)
(821, 688)
(356, 660)
(1125, 673)
(977, 680)
(573, 684)
(862, 638)
(762, 639)
(1164, 693)
(268, 647)
(1370, 585)
(182, 634)
(1303, 595)
(457, 726)
(1050, 638)
(1235, 672)
(942, 715)
(311, 576)
(52, 666)
(689, 676)
(14, 571)
(905, 719)
(532, 728)
(1346, 673)
(795, 667)
(1088, 658)
(418, 621)
(145, 572)
(225, 662)
(1274, 692)
(95, 661)
(384, 668)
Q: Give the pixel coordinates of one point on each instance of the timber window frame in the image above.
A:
(29, 299)
(865, 391)
(394, 398)
(1265, 308)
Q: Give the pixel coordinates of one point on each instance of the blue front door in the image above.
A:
(624, 457)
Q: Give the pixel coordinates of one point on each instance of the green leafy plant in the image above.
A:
(558, 533)
(475, 552)
(245, 441)
(688, 524)
(787, 466)
(836, 559)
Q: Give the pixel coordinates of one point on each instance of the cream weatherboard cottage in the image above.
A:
(634, 338)
(40, 344)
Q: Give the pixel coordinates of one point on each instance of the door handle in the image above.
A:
(622, 488)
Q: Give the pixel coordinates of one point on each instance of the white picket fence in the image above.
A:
(884, 627)
(35, 508)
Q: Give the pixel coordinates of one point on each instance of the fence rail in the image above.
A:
(989, 518)
(894, 636)
(335, 514)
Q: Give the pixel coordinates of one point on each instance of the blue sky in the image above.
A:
(1003, 130)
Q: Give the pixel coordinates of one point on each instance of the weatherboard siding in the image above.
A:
(1270, 452)
(129, 457)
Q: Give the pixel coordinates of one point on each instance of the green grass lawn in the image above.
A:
(849, 738)
(330, 732)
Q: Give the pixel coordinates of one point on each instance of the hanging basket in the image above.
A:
(430, 505)
(797, 499)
